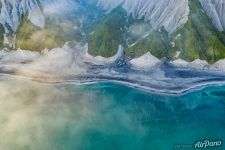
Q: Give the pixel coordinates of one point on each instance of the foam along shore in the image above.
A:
(145, 62)
(200, 64)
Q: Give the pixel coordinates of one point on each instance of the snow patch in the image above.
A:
(177, 54)
(219, 65)
(13, 10)
(159, 13)
(215, 9)
(179, 63)
(145, 62)
(196, 64)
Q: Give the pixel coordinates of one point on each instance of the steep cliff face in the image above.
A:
(199, 38)
(170, 14)
(187, 29)
(12, 13)
(215, 9)
(159, 13)
(39, 24)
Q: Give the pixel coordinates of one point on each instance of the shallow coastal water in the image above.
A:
(106, 115)
(80, 102)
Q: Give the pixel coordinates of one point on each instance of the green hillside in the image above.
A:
(104, 32)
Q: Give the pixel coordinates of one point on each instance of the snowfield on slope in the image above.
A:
(159, 13)
(170, 14)
(13, 10)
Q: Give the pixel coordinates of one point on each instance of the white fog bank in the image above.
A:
(56, 62)
(67, 61)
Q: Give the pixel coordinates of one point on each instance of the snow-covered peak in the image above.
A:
(12, 11)
(170, 14)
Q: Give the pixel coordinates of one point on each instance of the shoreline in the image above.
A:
(83, 80)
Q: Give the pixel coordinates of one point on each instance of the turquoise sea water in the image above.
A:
(107, 116)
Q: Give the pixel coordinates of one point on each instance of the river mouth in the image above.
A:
(105, 115)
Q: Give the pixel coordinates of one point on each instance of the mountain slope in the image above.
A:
(159, 13)
(108, 35)
(62, 22)
(215, 9)
(13, 10)
(186, 29)
(12, 13)
(198, 36)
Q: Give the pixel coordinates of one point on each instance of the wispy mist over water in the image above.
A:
(163, 88)
(104, 116)
(36, 116)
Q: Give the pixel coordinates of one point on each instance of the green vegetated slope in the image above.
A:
(197, 39)
(157, 42)
(106, 37)
(55, 34)
(58, 29)
(2, 31)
